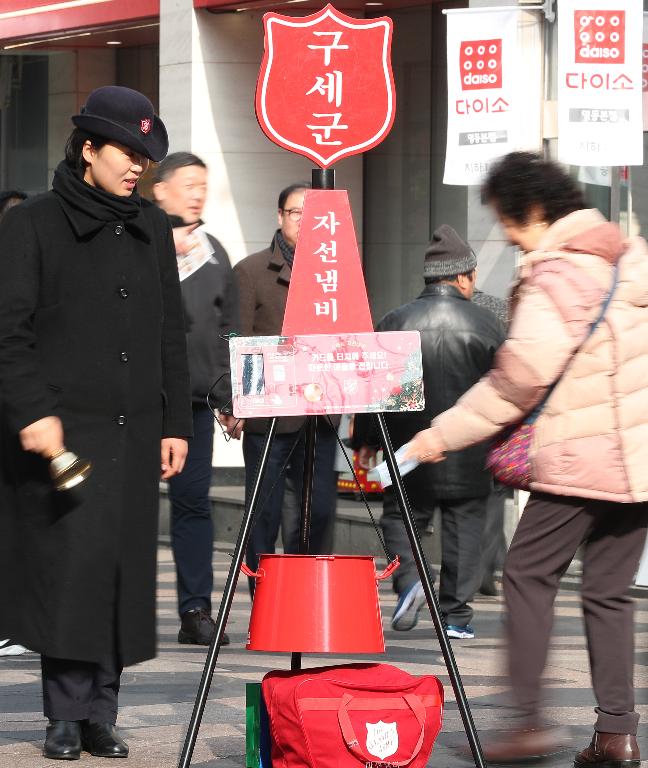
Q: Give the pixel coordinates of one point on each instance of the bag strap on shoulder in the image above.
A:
(532, 417)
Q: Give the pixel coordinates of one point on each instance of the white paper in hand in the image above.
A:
(381, 474)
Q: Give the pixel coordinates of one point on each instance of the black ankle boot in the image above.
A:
(103, 740)
(63, 740)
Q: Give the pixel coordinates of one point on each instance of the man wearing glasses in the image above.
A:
(263, 280)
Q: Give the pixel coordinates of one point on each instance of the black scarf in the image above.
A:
(94, 201)
(178, 221)
(286, 250)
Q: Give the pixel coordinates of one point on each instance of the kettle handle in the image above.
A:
(391, 567)
(260, 574)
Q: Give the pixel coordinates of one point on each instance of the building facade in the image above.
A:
(198, 61)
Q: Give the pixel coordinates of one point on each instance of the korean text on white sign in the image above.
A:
(600, 82)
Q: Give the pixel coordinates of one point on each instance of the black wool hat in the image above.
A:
(448, 255)
(127, 117)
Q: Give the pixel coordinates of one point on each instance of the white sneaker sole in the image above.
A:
(458, 635)
(12, 650)
(407, 616)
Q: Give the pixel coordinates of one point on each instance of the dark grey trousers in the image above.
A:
(80, 690)
(549, 533)
(494, 541)
(462, 527)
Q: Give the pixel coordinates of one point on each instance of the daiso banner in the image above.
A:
(599, 36)
(480, 64)
(644, 72)
(600, 82)
(483, 108)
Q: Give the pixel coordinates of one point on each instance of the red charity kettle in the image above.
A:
(317, 604)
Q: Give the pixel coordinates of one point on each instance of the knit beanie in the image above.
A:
(448, 255)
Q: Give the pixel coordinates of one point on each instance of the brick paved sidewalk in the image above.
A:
(157, 697)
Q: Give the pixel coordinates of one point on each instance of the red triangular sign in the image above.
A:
(327, 293)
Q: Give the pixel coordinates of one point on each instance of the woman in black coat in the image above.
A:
(92, 354)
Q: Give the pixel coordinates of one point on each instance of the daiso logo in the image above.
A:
(480, 64)
(599, 37)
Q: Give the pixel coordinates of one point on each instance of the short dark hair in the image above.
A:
(173, 162)
(74, 148)
(287, 192)
(447, 278)
(521, 181)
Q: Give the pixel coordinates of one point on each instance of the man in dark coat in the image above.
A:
(458, 342)
(8, 199)
(93, 354)
(210, 306)
(263, 280)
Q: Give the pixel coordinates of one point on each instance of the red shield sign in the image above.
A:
(326, 88)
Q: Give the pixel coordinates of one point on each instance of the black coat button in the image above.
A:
(119, 229)
(121, 420)
(124, 357)
(123, 292)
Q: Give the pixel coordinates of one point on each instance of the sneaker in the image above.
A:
(407, 609)
(9, 648)
(461, 633)
(198, 628)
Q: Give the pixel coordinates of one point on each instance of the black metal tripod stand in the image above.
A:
(324, 179)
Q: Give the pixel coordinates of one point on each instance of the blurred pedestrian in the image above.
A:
(8, 199)
(210, 306)
(589, 451)
(93, 356)
(263, 280)
(458, 342)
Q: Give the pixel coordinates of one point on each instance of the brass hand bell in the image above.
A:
(67, 469)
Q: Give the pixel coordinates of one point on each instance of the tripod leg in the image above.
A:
(306, 504)
(428, 587)
(226, 604)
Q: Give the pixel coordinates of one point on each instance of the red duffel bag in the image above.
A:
(352, 715)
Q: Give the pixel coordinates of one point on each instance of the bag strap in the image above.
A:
(351, 740)
(532, 417)
(332, 704)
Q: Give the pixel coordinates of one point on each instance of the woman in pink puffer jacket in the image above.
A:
(589, 456)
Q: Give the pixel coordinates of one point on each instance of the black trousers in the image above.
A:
(549, 532)
(461, 539)
(268, 518)
(494, 541)
(80, 690)
(192, 528)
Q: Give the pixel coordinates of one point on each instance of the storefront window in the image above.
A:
(23, 122)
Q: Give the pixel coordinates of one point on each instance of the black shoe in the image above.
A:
(63, 740)
(103, 740)
(198, 628)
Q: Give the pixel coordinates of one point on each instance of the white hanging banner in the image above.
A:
(483, 111)
(644, 71)
(599, 82)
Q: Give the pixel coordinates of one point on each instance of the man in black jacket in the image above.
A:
(459, 340)
(210, 303)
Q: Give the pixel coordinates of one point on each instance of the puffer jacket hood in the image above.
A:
(587, 232)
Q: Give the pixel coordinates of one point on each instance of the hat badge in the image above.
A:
(145, 125)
